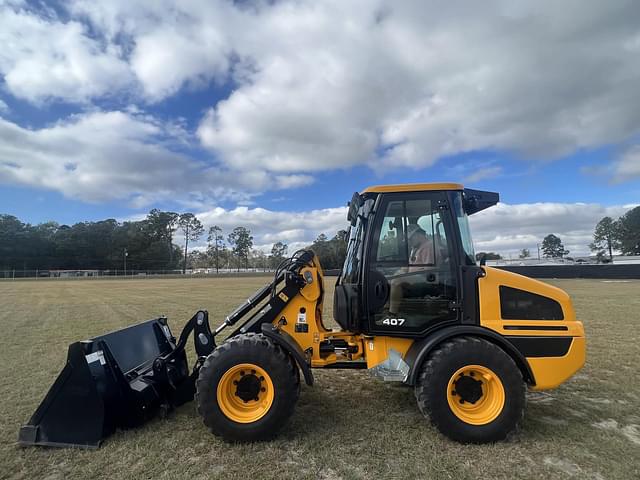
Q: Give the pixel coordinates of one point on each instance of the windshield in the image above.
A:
(465, 232)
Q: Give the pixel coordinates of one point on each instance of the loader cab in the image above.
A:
(407, 244)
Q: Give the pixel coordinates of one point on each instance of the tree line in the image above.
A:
(146, 244)
(236, 251)
(103, 245)
(622, 234)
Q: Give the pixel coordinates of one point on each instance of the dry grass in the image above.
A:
(347, 426)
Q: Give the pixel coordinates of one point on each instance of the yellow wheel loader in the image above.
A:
(413, 307)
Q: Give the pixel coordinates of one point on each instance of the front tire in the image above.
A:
(472, 391)
(247, 389)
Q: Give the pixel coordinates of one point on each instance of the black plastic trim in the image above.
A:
(469, 295)
(420, 350)
(356, 365)
(536, 327)
(287, 342)
(541, 346)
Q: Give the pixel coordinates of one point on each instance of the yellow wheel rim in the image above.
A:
(475, 395)
(245, 393)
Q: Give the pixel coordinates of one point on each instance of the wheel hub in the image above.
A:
(475, 394)
(248, 387)
(468, 388)
(245, 393)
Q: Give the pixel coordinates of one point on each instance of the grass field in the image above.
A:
(347, 426)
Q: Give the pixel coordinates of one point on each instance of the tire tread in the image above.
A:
(243, 345)
(437, 362)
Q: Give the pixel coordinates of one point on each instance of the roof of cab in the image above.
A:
(412, 187)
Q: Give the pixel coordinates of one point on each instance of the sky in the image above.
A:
(270, 114)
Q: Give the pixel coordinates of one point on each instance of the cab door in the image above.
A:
(410, 275)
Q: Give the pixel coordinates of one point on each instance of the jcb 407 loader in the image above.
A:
(412, 305)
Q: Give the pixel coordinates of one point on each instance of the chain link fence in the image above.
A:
(88, 274)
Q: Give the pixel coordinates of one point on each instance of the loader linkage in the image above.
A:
(123, 378)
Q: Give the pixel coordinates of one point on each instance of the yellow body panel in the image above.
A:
(412, 187)
(552, 371)
(549, 372)
(306, 309)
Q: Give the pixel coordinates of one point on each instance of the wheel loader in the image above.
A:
(412, 305)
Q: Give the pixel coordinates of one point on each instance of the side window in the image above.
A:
(433, 225)
(412, 254)
(413, 233)
(391, 243)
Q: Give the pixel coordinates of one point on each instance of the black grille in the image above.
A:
(518, 304)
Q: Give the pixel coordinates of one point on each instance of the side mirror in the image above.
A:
(483, 260)
(477, 200)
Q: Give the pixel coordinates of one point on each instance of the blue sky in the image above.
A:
(245, 112)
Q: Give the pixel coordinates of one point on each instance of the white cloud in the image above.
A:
(326, 85)
(628, 165)
(268, 226)
(337, 83)
(44, 58)
(165, 59)
(508, 228)
(4, 108)
(504, 228)
(104, 156)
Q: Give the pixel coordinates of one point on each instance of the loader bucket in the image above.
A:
(117, 380)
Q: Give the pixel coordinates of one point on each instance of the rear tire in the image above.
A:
(247, 389)
(472, 391)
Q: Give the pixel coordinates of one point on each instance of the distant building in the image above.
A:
(73, 273)
(617, 259)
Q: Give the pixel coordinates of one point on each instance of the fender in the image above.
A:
(420, 350)
(290, 346)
